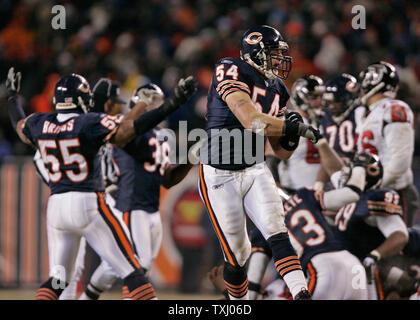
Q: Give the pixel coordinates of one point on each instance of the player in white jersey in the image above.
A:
(302, 168)
(388, 132)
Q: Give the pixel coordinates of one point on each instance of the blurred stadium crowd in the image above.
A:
(134, 42)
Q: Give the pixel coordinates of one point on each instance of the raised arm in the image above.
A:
(130, 128)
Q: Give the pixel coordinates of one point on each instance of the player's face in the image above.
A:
(336, 108)
(315, 101)
(278, 64)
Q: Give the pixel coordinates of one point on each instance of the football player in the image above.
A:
(372, 228)
(245, 96)
(329, 267)
(69, 141)
(302, 168)
(143, 166)
(388, 132)
(339, 122)
(106, 99)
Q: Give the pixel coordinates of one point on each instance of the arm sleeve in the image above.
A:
(99, 127)
(390, 224)
(228, 78)
(335, 199)
(399, 138)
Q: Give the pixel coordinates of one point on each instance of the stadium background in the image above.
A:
(135, 42)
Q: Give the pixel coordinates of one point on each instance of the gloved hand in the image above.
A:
(293, 117)
(361, 159)
(369, 262)
(182, 92)
(291, 142)
(151, 94)
(185, 89)
(13, 82)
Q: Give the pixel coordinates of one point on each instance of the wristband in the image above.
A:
(289, 144)
(376, 254)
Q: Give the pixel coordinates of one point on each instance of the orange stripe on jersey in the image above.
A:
(232, 82)
(231, 85)
(119, 231)
(213, 218)
(225, 92)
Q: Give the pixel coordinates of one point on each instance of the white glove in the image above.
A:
(151, 95)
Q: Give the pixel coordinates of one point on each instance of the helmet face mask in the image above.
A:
(379, 77)
(264, 48)
(306, 95)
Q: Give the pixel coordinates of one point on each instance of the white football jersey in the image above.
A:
(388, 132)
(302, 167)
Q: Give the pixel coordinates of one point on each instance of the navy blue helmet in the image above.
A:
(340, 93)
(374, 173)
(104, 90)
(265, 48)
(136, 95)
(72, 92)
(379, 77)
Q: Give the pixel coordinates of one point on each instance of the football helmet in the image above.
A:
(104, 90)
(374, 173)
(340, 95)
(379, 77)
(264, 48)
(72, 92)
(305, 95)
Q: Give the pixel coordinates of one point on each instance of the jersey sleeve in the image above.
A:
(137, 148)
(384, 203)
(30, 127)
(229, 78)
(398, 111)
(98, 128)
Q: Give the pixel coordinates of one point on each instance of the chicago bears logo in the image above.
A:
(352, 86)
(254, 38)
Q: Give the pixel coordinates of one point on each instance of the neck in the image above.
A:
(375, 98)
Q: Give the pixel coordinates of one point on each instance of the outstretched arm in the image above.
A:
(130, 128)
(330, 160)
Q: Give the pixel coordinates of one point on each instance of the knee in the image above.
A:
(243, 253)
